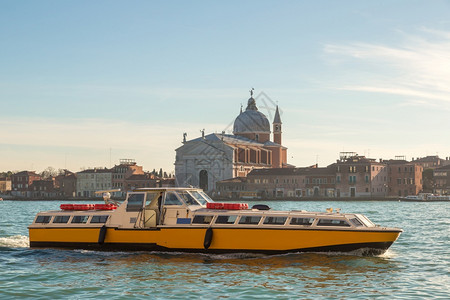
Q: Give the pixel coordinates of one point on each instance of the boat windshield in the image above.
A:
(189, 199)
(204, 195)
(199, 197)
(365, 220)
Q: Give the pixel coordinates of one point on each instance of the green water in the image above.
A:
(417, 266)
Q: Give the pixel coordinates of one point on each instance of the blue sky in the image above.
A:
(86, 83)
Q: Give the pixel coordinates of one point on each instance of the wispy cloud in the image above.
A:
(87, 142)
(416, 67)
(94, 133)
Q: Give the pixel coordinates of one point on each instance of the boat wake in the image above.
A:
(363, 252)
(15, 241)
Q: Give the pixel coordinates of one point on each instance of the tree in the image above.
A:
(48, 173)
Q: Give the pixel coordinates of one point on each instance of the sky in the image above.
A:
(84, 84)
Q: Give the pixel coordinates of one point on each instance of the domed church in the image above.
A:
(214, 157)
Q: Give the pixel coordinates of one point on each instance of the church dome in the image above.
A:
(251, 120)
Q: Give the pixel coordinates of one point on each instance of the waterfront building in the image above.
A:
(358, 176)
(277, 182)
(431, 162)
(5, 185)
(442, 180)
(121, 172)
(405, 178)
(320, 182)
(92, 180)
(44, 189)
(214, 157)
(234, 188)
(140, 181)
(21, 181)
(67, 183)
(281, 183)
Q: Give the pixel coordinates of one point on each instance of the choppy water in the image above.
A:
(417, 266)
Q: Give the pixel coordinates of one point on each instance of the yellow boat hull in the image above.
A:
(219, 240)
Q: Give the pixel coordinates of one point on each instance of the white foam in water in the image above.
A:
(15, 241)
(103, 253)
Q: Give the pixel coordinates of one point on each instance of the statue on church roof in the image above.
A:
(251, 105)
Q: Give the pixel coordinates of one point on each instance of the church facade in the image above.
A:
(214, 157)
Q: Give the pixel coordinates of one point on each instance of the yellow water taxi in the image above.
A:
(186, 219)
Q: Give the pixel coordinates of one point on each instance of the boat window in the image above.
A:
(135, 202)
(99, 219)
(80, 219)
(302, 221)
(226, 219)
(331, 222)
(198, 197)
(43, 219)
(202, 219)
(275, 220)
(253, 220)
(204, 195)
(356, 222)
(172, 199)
(151, 196)
(61, 219)
(188, 198)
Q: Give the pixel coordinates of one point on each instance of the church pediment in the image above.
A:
(199, 147)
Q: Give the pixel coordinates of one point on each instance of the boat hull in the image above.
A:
(222, 240)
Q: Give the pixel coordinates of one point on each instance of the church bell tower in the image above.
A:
(277, 127)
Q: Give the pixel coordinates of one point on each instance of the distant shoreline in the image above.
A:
(303, 199)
